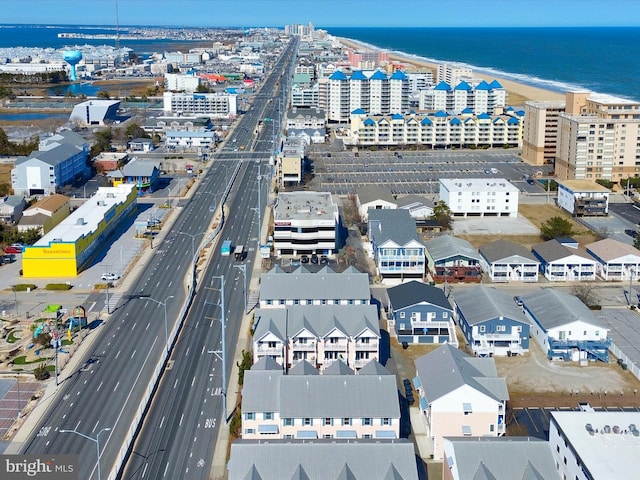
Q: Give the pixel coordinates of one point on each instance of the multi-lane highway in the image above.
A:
(102, 400)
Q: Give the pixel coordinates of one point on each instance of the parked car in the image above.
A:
(110, 277)
(408, 389)
(13, 249)
(518, 300)
(324, 260)
(8, 258)
(304, 259)
(631, 233)
(314, 259)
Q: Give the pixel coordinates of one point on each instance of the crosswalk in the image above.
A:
(114, 298)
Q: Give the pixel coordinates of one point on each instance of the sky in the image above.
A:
(325, 13)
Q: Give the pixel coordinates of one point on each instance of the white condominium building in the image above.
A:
(371, 91)
(479, 197)
(453, 73)
(465, 97)
(205, 104)
(177, 82)
(435, 130)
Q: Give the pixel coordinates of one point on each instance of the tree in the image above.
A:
(41, 373)
(636, 242)
(442, 213)
(585, 292)
(556, 227)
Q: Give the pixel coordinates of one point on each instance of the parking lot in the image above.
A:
(535, 421)
(417, 172)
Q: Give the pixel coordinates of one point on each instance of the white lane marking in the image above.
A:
(175, 384)
(118, 354)
(116, 387)
(202, 352)
(161, 422)
(133, 354)
(148, 324)
(99, 386)
(181, 418)
(193, 381)
(165, 470)
(145, 469)
(187, 352)
(95, 426)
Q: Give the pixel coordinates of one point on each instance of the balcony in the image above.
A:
(303, 347)
(335, 347)
(271, 351)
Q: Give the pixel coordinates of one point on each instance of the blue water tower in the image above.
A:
(72, 57)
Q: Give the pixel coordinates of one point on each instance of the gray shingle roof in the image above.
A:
(303, 368)
(553, 250)
(323, 460)
(318, 319)
(506, 250)
(412, 293)
(480, 304)
(338, 368)
(371, 193)
(374, 368)
(13, 200)
(446, 246)
(503, 458)
(137, 168)
(447, 369)
(553, 308)
(303, 284)
(392, 224)
(319, 396)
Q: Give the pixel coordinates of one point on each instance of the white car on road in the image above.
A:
(110, 277)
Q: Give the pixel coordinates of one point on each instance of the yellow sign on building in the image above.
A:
(53, 260)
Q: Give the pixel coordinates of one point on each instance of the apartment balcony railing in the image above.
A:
(262, 350)
(303, 347)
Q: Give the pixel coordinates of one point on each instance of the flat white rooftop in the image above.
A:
(305, 206)
(606, 455)
(478, 185)
(88, 216)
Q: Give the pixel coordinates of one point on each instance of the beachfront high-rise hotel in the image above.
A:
(589, 136)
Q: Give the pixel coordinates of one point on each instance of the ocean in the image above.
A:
(602, 59)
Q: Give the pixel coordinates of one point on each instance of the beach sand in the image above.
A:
(518, 92)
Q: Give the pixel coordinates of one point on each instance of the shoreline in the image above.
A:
(517, 91)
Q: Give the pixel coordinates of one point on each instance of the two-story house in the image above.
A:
(319, 334)
(453, 260)
(561, 263)
(420, 313)
(337, 404)
(564, 327)
(506, 261)
(397, 249)
(491, 322)
(616, 260)
(459, 395)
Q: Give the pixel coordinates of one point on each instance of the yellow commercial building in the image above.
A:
(65, 250)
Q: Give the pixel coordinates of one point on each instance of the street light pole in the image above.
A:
(164, 304)
(222, 354)
(15, 298)
(193, 248)
(94, 440)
